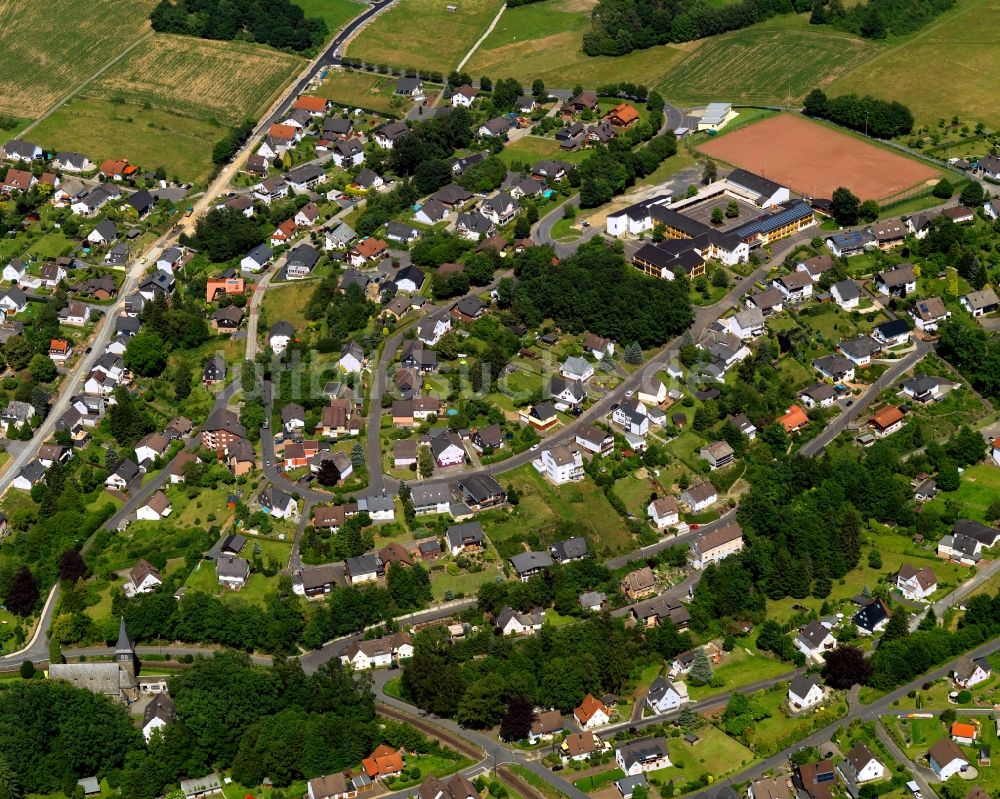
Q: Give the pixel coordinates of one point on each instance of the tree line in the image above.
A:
(876, 19)
(278, 23)
(621, 26)
(610, 170)
(883, 119)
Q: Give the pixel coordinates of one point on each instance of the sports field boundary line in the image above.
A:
(86, 82)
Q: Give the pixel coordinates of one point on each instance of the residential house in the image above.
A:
(804, 692)
(390, 133)
(795, 286)
(496, 127)
(639, 583)
(595, 440)
(835, 367)
(488, 439)
(157, 507)
(850, 242)
(71, 162)
(663, 512)
(301, 261)
(700, 496)
(60, 350)
(366, 250)
(232, 572)
(364, 568)
(463, 97)
(793, 420)
(527, 564)
(367, 180)
(886, 421)
(562, 464)
(863, 765)
(591, 713)
(384, 762)
(447, 449)
(963, 733)
(817, 779)
(814, 640)
(872, 618)
(480, 491)
(968, 672)
(340, 237)
(280, 335)
(579, 746)
(510, 622)
(594, 601)
(639, 757)
(946, 759)
(718, 454)
(142, 579)
(126, 472)
(410, 87)
(898, 282)
(846, 294)
(914, 583)
(214, 371)
(569, 550)
(545, 726)
(716, 545)
(665, 696)
(929, 313)
(348, 153)
(227, 320)
(768, 302)
(859, 350)
(821, 395)
(892, 333)
(277, 503)
(889, 233)
(979, 303)
(464, 537)
(20, 150)
(432, 329)
(158, 713)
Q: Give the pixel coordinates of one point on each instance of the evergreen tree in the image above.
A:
(898, 626)
(633, 353)
(701, 668)
(357, 455)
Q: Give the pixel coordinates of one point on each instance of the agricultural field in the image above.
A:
(544, 41)
(335, 12)
(938, 72)
(51, 47)
(213, 80)
(422, 34)
(363, 90)
(763, 66)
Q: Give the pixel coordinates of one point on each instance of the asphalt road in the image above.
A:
(888, 377)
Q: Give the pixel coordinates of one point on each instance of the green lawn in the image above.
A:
(780, 730)
(361, 89)
(423, 34)
(739, 668)
(430, 766)
(530, 148)
(182, 145)
(912, 67)
(466, 583)
(715, 754)
(635, 493)
(545, 41)
(979, 488)
(556, 512)
(594, 782)
(687, 446)
(288, 303)
(916, 736)
(335, 12)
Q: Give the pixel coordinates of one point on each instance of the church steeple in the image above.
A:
(125, 651)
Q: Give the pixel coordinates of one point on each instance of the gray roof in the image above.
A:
(524, 562)
(260, 254)
(127, 470)
(466, 534)
(161, 707)
(570, 549)
(363, 564)
(802, 684)
(233, 568)
(639, 751)
(98, 678)
(846, 290)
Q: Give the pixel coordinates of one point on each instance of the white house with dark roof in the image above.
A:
(863, 765)
(814, 640)
(846, 294)
(663, 512)
(914, 583)
(664, 696)
(968, 672)
(979, 303)
(804, 692)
